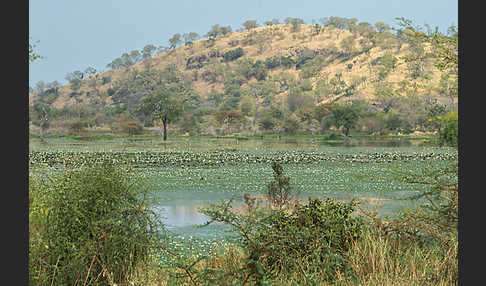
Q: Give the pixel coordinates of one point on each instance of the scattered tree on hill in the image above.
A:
(316, 28)
(116, 64)
(381, 27)
(190, 37)
(448, 86)
(135, 56)
(247, 105)
(225, 30)
(161, 49)
(294, 22)
(296, 99)
(90, 71)
(214, 32)
(347, 44)
(148, 51)
(250, 24)
(291, 125)
(40, 86)
(75, 79)
(127, 60)
(174, 41)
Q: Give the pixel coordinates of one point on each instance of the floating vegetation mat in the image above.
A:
(218, 158)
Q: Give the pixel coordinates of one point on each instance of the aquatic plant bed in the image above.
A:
(187, 180)
(218, 158)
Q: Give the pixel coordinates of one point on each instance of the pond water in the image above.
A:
(184, 191)
(183, 216)
(207, 143)
(181, 191)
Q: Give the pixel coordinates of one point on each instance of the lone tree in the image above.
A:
(345, 116)
(164, 106)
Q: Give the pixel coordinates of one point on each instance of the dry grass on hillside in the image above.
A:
(269, 41)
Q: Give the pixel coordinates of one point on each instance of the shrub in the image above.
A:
(272, 63)
(309, 242)
(303, 57)
(126, 124)
(287, 61)
(111, 91)
(106, 79)
(450, 132)
(88, 226)
(233, 43)
(233, 54)
(77, 125)
(332, 136)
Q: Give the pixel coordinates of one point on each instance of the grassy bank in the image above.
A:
(74, 240)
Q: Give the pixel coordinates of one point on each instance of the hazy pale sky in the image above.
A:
(74, 35)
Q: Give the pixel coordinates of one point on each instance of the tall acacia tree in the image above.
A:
(164, 106)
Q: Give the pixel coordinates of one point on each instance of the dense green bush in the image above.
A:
(111, 91)
(233, 54)
(310, 241)
(332, 136)
(88, 226)
(273, 62)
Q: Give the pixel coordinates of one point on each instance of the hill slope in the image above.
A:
(279, 65)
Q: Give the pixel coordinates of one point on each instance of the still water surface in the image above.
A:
(180, 213)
